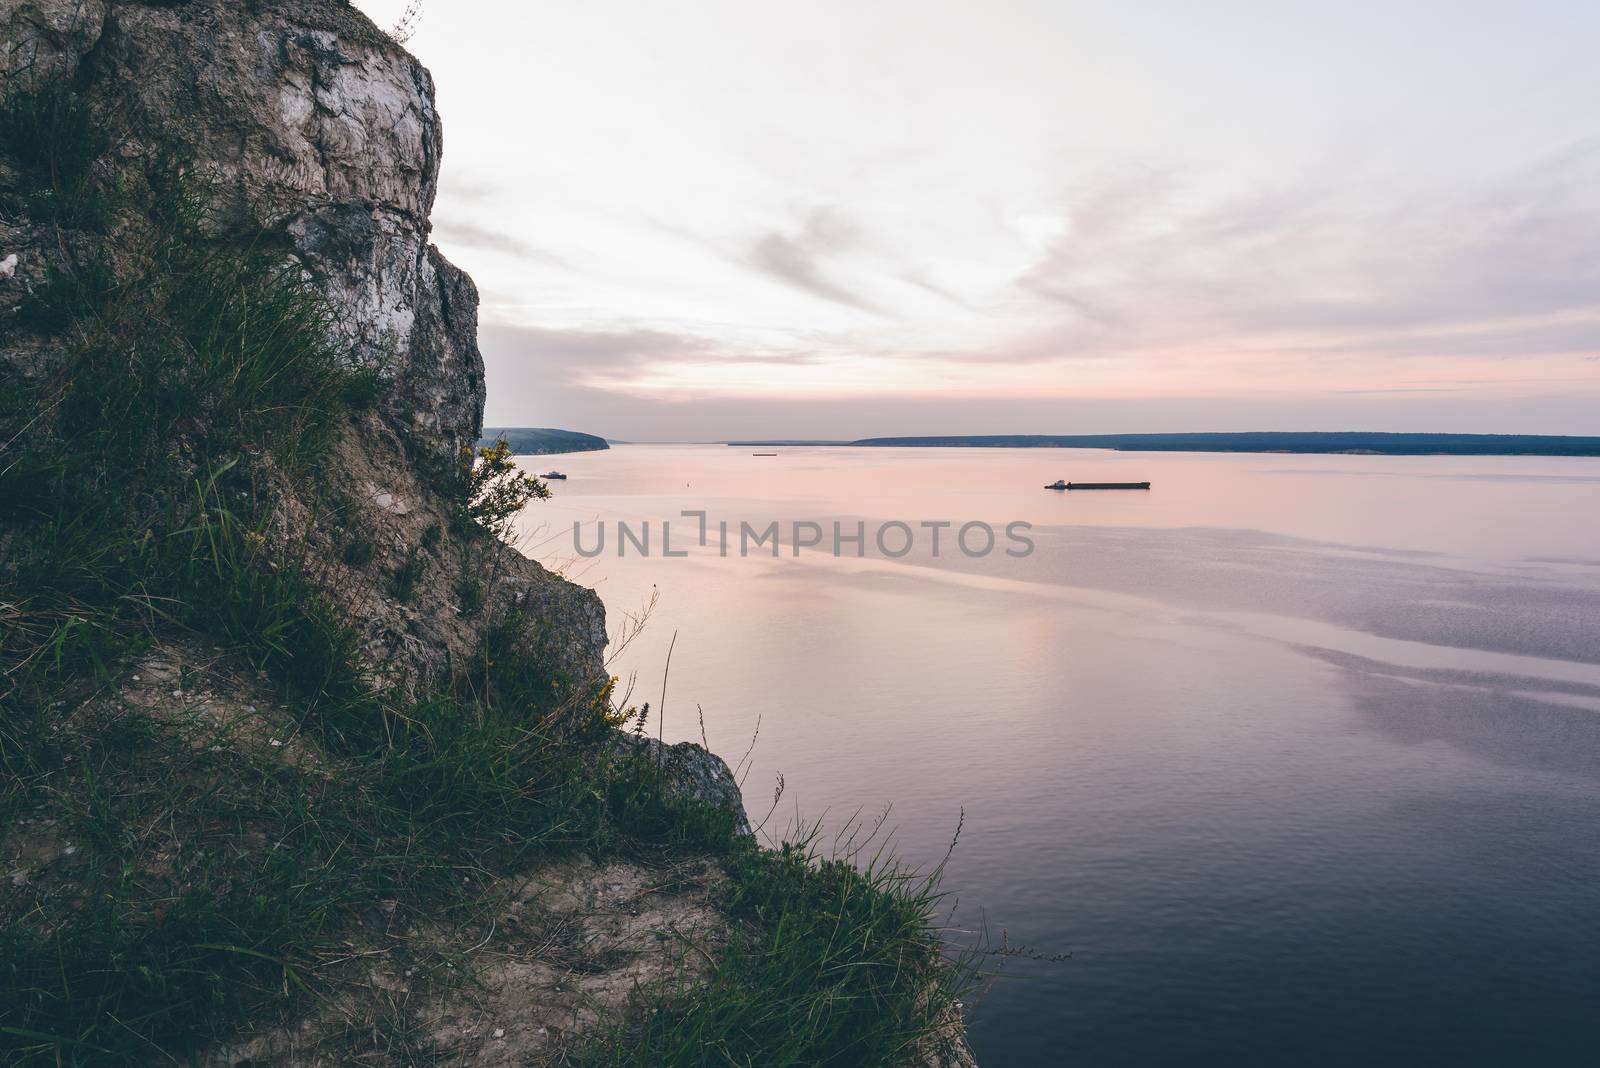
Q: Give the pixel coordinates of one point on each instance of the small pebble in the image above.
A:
(499, 1032)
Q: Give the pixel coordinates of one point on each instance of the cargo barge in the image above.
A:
(1060, 485)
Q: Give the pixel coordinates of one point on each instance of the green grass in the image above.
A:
(53, 142)
(830, 963)
(137, 506)
(270, 864)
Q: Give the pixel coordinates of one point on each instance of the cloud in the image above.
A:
(795, 258)
(614, 355)
(1154, 283)
(1106, 244)
(453, 231)
(561, 352)
(1414, 389)
(914, 278)
(1146, 260)
(470, 190)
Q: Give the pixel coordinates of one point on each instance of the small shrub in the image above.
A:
(492, 490)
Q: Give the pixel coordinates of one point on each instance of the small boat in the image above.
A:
(763, 454)
(554, 474)
(1066, 485)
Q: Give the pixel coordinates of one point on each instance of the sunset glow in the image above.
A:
(988, 206)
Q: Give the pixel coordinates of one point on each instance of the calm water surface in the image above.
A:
(1298, 757)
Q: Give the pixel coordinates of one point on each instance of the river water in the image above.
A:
(1297, 756)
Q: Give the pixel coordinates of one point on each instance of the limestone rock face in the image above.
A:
(46, 38)
(698, 773)
(303, 119)
(327, 129)
(320, 126)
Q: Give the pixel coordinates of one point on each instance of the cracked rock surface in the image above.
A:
(306, 120)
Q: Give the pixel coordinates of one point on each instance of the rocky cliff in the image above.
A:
(303, 764)
(305, 120)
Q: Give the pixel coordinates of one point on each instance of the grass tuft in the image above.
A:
(831, 963)
(53, 141)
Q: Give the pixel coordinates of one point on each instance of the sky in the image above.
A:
(714, 219)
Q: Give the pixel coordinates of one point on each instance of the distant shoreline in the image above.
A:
(541, 441)
(1294, 442)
